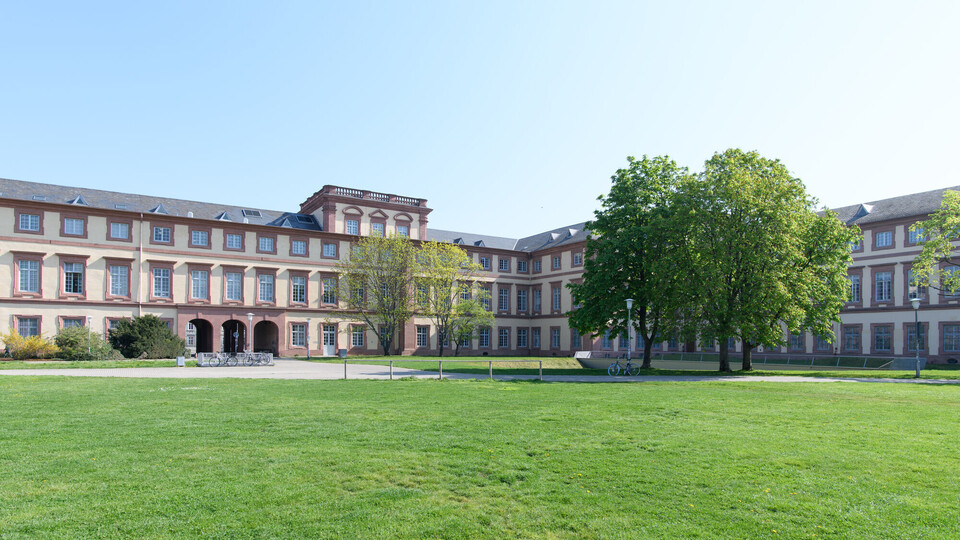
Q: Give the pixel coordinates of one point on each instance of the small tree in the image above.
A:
(469, 315)
(146, 337)
(936, 264)
(444, 271)
(376, 283)
(76, 343)
(26, 348)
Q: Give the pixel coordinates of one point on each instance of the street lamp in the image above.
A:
(308, 338)
(916, 319)
(250, 332)
(89, 322)
(629, 328)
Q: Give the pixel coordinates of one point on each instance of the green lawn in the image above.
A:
(569, 366)
(58, 364)
(156, 458)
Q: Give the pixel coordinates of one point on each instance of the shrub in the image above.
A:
(146, 337)
(24, 348)
(73, 345)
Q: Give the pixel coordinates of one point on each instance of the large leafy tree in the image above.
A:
(936, 264)
(628, 255)
(470, 313)
(376, 283)
(444, 274)
(758, 256)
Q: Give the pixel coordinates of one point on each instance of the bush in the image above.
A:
(25, 348)
(72, 343)
(146, 337)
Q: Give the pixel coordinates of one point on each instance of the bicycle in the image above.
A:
(628, 369)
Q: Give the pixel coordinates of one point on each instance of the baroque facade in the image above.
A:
(226, 278)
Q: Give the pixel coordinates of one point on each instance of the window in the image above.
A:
(556, 262)
(353, 226)
(537, 293)
(199, 284)
(298, 247)
(521, 299)
(29, 223)
(357, 335)
(200, 238)
(72, 322)
(161, 282)
(949, 272)
(856, 245)
(522, 266)
(298, 335)
(376, 229)
(556, 298)
(851, 339)
(265, 289)
(535, 338)
(161, 235)
(423, 336)
(464, 291)
(912, 337)
(916, 235)
(796, 342)
(73, 226)
(554, 338)
(423, 296)
(951, 338)
(854, 288)
(823, 345)
(577, 258)
(883, 286)
(624, 342)
(915, 291)
(882, 339)
(28, 326)
(504, 301)
(119, 280)
(29, 276)
(298, 289)
(73, 278)
(119, 231)
(485, 298)
(884, 239)
(504, 264)
(575, 341)
(483, 337)
(537, 265)
(329, 291)
(605, 340)
(485, 263)
(233, 241)
(329, 250)
(465, 341)
(234, 286)
(266, 244)
(403, 231)
(521, 338)
(503, 340)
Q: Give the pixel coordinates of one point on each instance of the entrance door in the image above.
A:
(329, 340)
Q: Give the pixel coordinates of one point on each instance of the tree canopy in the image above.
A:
(936, 265)
(445, 275)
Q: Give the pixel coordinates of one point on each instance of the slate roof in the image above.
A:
(112, 200)
(913, 205)
(470, 239)
(556, 237)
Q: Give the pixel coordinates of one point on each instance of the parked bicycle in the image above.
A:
(628, 369)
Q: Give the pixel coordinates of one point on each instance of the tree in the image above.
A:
(77, 343)
(758, 256)
(146, 337)
(444, 272)
(469, 315)
(628, 255)
(376, 283)
(936, 265)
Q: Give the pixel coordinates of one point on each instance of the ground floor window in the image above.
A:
(951, 338)
(28, 326)
(521, 338)
(483, 336)
(851, 339)
(298, 335)
(504, 338)
(357, 336)
(423, 336)
(882, 339)
(555, 338)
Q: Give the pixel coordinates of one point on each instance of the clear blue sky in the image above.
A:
(509, 117)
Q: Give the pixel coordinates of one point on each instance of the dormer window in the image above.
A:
(251, 213)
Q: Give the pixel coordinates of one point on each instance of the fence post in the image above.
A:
(441, 370)
(344, 369)
(391, 370)
(491, 368)
(541, 370)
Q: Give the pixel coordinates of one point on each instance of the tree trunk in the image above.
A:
(386, 346)
(747, 360)
(647, 354)
(725, 355)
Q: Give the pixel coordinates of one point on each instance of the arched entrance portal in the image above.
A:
(265, 337)
(233, 336)
(202, 335)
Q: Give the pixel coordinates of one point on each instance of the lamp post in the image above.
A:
(308, 338)
(250, 332)
(916, 319)
(89, 322)
(629, 328)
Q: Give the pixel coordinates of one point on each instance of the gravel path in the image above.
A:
(300, 369)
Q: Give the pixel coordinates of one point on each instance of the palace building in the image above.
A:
(227, 278)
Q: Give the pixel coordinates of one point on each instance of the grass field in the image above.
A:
(91, 364)
(120, 458)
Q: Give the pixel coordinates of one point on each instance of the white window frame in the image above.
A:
(73, 226)
(199, 284)
(161, 234)
(200, 238)
(233, 286)
(266, 244)
(116, 228)
(234, 241)
(352, 226)
(29, 275)
(32, 222)
(119, 280)
(298, 247)
(298, 289)
(73, 286)
(883, 286)
(161, 283)
(265, 289)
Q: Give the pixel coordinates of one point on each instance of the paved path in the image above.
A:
(300, 369)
